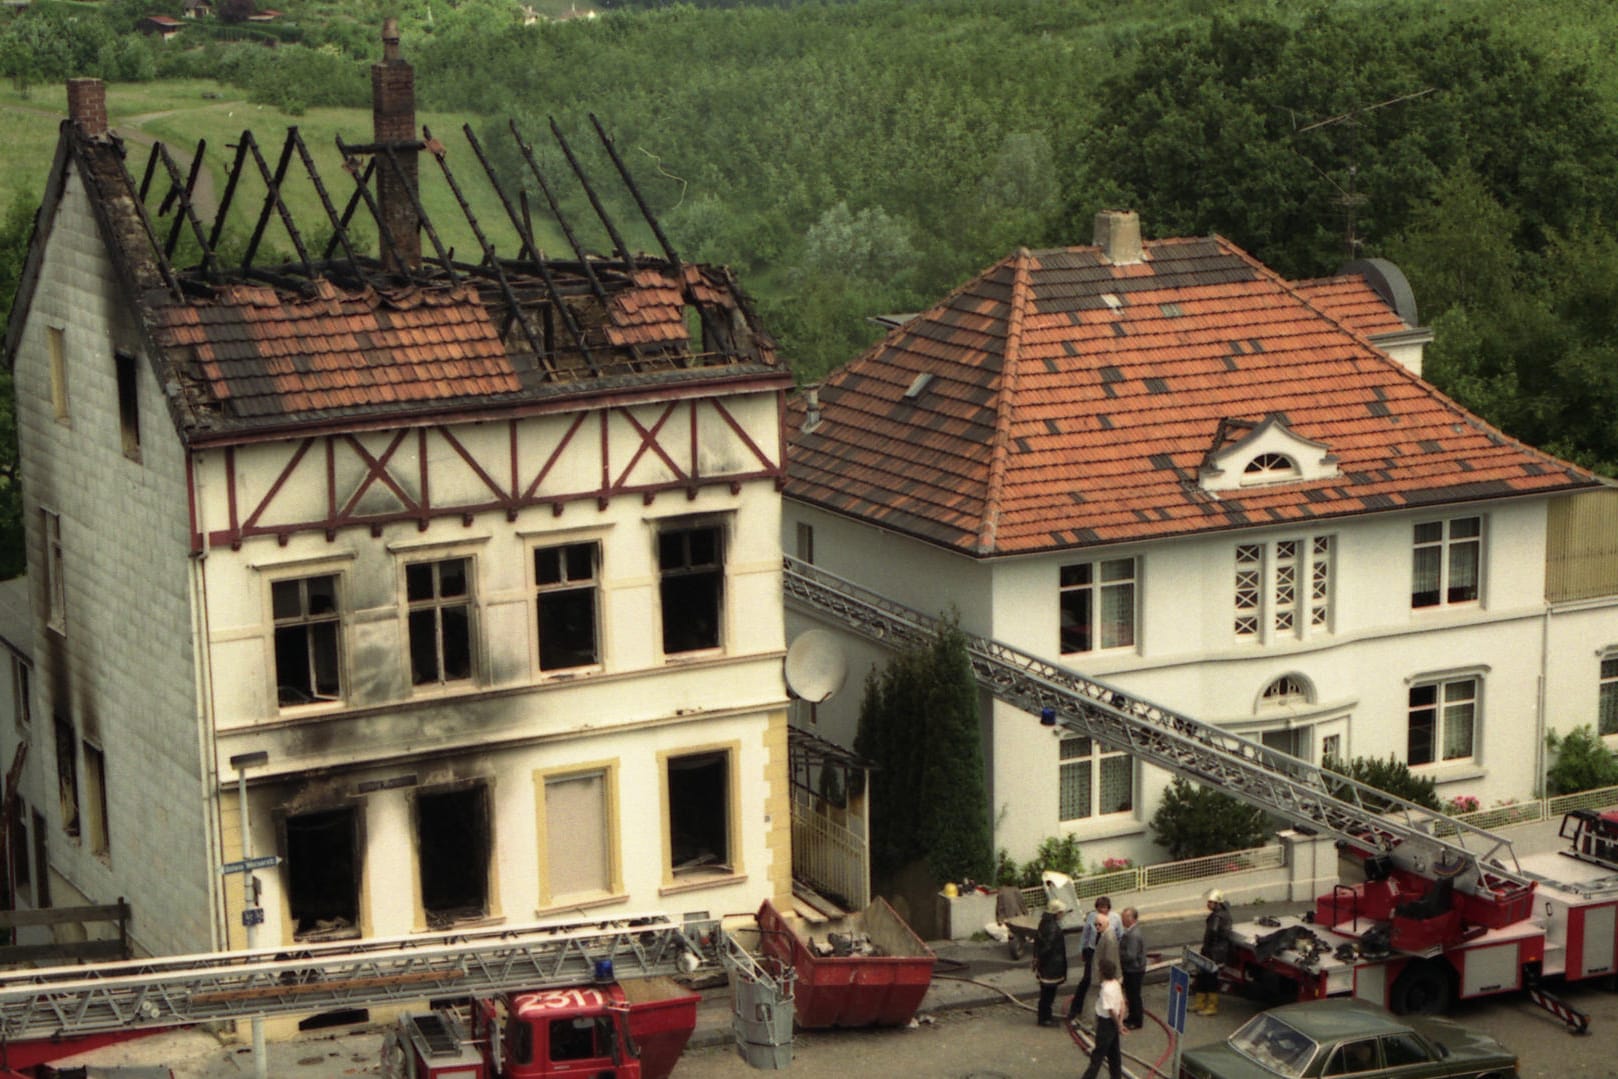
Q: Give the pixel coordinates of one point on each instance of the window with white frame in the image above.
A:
(1093, 782)
(438, 596)
(1447, 562)
(1283, 588)
(1607, 708)
(308, 640)
(1443, 721)
(1269, 468)
(1285, 690)
(565, 582)
(1098, 605)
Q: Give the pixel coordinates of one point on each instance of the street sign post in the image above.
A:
(247, 865)
(1179, 997)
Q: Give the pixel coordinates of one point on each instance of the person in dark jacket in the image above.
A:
(1216, 948)
(1050, 958)
(1097, 927)
(1132, 960)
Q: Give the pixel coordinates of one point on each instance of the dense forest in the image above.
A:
(863, 157)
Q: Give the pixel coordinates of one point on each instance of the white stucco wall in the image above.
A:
(123, 670)
(1188, 658)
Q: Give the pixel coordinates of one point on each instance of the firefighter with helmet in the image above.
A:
(1216, 948)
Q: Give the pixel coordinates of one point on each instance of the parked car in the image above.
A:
(1349, 1037)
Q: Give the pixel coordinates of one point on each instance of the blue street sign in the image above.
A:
(1179, 996)
(247, 865)
(252, 916)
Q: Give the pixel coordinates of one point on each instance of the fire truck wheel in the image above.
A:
(1425, 988)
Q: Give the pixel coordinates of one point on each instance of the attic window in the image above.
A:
(1269, 468)
(918, 384)
(1285, 690)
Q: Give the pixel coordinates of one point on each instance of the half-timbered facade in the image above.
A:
(468, 565)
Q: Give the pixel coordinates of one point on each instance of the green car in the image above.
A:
(1349, 1037)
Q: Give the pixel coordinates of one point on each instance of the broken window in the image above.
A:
(42, 863)
(565, 584)
(579, 858)
(452, 833)
(17, 851)
(692, 567)
(95, 808)
(323, 873)
(67, 776)
(699, 813)
(128, 403)
(439, 597)
(308, 625)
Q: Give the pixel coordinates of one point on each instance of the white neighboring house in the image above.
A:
(1166, 467)
(474, 571)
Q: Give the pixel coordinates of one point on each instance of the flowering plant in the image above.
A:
(1113, 865)
(1463, 803)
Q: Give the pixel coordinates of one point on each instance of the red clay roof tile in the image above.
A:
(1073, 401)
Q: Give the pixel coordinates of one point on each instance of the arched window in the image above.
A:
(1270, 468)
(1288, 689)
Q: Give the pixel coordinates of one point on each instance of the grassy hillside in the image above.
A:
(181, 112)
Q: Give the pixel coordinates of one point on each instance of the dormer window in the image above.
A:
(1284, 691)
(1255, 453)
(1269, 468)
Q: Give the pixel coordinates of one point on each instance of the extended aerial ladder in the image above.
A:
(178, 990)
(1313, 799)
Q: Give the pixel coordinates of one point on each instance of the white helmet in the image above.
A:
(1215, 896)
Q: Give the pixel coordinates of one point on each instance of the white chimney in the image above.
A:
(1118, 236)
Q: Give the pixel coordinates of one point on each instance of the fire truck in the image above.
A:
(525, 1002)
(1431, 908)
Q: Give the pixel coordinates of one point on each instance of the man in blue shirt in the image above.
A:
(1088, 940)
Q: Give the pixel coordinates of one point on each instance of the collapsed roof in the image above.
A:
(252, 344)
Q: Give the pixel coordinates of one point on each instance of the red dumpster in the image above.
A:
(883, 988)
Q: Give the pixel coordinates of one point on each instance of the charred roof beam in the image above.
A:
(362, 191)
(273, 201)
(389, 152)
(703, 313)
(489, 259)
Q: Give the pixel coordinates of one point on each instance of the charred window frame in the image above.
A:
(700, 801)
(566, 586)
(67, 775)
(55, 573)
(322, 849)
(691, 569)
(438, 596)
(128, 403)
(21, 867)
(453, 844)
(308, 640)
(98, 822)
(42, 862)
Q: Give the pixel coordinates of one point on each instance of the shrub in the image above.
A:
(1390, 775)
(1058, 853)
(1583, 762)
(1193, 821)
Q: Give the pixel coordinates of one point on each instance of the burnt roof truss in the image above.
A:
(588, 314)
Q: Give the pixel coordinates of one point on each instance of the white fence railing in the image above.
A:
(1142, 878)
(829, 856)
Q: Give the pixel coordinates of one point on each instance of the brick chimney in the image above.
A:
(1118, 236)
(87, 106)
(393, 120)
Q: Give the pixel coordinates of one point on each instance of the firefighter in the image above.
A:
(1215, 948)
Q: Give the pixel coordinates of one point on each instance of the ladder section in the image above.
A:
(173, 991)
(1313, 799)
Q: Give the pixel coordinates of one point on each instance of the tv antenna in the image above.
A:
(1348, 197)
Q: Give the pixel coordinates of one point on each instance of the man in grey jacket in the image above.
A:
(1132, 961)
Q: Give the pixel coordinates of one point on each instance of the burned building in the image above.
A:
(464, 556)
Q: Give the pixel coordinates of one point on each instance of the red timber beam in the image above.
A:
(517, 491)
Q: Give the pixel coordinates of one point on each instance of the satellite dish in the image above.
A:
(815, 666)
